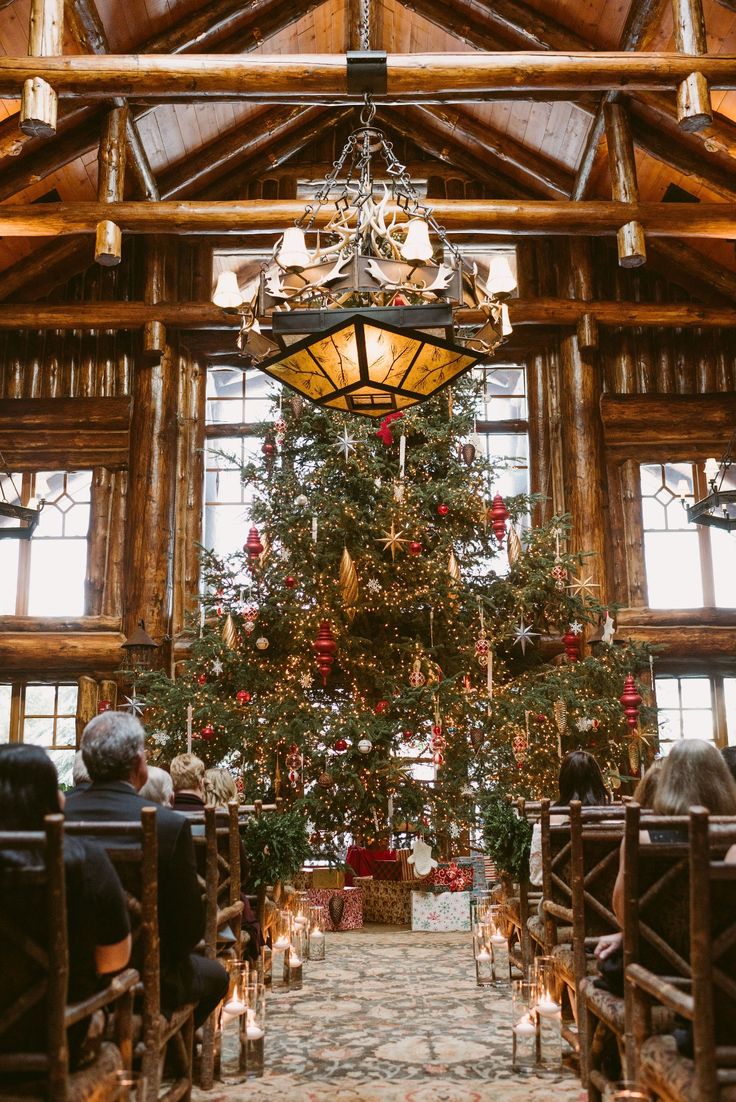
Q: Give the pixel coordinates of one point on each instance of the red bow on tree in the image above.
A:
(384, 432)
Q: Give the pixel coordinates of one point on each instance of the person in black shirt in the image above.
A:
(113, 747)
(98, 928)
(187, 777)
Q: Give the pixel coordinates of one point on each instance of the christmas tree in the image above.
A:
(371, 619)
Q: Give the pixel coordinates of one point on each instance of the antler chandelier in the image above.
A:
(718, 508)
(363, 310)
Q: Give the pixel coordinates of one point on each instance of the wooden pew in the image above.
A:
(35, 975)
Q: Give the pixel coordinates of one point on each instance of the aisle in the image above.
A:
(392, 1016)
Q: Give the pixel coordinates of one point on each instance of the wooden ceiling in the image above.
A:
(520, 148)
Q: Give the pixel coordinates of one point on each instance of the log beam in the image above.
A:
(694, 110)
(476, 217)
(632, 251)
(110, 184)
(310, 78)
(39, 100)
(527, 312)
(650, 426)
(64, 652)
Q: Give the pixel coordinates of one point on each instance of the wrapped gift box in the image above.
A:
(352, 915)
(387, 870)
(386, 902)
(443, 912)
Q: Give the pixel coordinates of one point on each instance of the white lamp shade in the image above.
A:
(501, 279)
(711, 469)
(417, 246)
(227, 293)
(506, 326)
(292, 252)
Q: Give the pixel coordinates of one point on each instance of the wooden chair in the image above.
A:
(34, 965)
(133, 849)
(218, 851)
(595, 844)
(656, 933)
(708, 1002)
(555, 925)
(519, 908)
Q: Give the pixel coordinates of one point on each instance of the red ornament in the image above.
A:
(325, 647)
(207, 732)
(253, 545)
(630, 701)
(437, 729)
(540, 718)
(499, 515)
(202, 679)
(383, 432)
(408, 736)
(443, 510)
(415, 548)
(104, 706)
(340, 745)
(289, 581)
(243, 696)
(269, 449)
(381, 707)
(572, 645)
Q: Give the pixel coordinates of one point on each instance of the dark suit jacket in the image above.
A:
(180, 908)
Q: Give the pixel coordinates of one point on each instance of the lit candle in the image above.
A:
(300, 921)
(234, 1006)
(295, 961)
(281, 944)
(316, 934)
(483, 954)
(253, 1031)
(549, 1014)
(525, 1027)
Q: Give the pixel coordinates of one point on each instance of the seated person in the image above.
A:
(580, 779)
(187, 777)
(158, 787)
(693, 774)
(729, 756)
(113, 745)
(98, 929)
(219, 788)
(80, 776)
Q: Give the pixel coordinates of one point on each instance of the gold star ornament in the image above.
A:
(392, 540)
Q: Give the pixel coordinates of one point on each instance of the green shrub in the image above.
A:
(276, 844)
(507, 837)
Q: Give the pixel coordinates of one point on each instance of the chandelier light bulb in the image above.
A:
(501, 279)
(292, 253)
(227, 293)
(711, 469)
(506, 326)
(417, 247)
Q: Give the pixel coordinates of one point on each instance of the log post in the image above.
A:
(108, 690)
(584, 469)
(151, 487)
(112, 596)
(694, 109)
(154, 332)
(87, 697)
(39, 101)
(189, 484)
(633, 534)
(99, 529)
(110, 184)
(632, 251)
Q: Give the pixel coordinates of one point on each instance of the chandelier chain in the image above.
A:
(365, 25)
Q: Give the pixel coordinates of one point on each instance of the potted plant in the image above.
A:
(507, 839)
(277, 845)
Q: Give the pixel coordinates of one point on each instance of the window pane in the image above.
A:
(225, 529)
(668, 692)
(673, 569)
(67, 700)
(8, 576)
(729, 693)
(40, 700)
(64, 762)
(696, 692)
(698, 724)
(40, 731)
(723, 552)
(669, 724)
(51, 560)
(5, 694)
(66, 732)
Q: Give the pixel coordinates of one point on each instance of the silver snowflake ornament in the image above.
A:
(454, 830)
(374, 585)
(346, 444)
(217, 667)
(576, 627)
(306, 680)
(134, 705)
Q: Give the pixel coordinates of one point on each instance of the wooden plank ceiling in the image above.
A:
(514, 148)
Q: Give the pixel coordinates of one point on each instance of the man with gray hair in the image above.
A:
(113, 748)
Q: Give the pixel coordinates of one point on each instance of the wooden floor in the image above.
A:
(392, 1016)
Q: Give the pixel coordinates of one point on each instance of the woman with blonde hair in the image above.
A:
(219, 788)
(694, 773)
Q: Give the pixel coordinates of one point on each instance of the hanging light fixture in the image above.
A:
(27, 516)
(139, 650)
(718, 508)
(363, 311)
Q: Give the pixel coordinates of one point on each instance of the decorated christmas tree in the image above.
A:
(389, 608)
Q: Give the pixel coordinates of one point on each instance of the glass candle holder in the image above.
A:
(316, 937)
(300, 917)
(480, 901)
(294, 959)
(499, 945)
(280, 948)
(255, 1029)
(523, 1027)
(231, 1021)
(549, 1012)
(483, 954)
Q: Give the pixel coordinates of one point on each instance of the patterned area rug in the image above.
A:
(392, 1016)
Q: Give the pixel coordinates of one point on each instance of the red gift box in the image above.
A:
(452, 878)
(386, 870)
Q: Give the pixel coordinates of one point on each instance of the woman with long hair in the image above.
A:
(580, 779)
(98, 927)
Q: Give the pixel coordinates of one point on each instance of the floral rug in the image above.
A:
(392, 1016)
